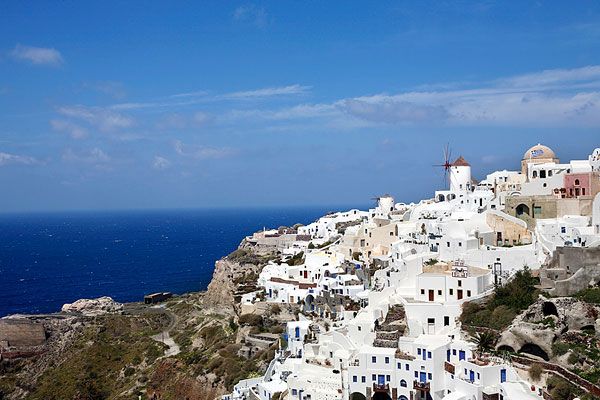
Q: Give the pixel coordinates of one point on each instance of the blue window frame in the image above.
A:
(373, 359)
(448, 355)
(374, 377)
(428, 354)
(453, 352)
(407, 367)
(461, 355)
(502, 375)
(363, 379)
(399, 365)
(416, 374)
(294, 392)
(355, 379)
(423, 377)
(387, 378)
(419, 351)
(387, 360)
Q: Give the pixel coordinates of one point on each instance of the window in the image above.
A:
(373, 359)
(407, 367)
(429, 376)
(447, 244)
(459, 283)
(419, 351)
(416, 374)
(399, 366)
(431, 321)
(468, 293)
(543, 173)
(451, 292)
(535, 174)
(387, 378)
(439, 292)
(294, 392)
(355, 379)
(453, 352)
(402, 383)
(576, 182)
(429, 356)
(363, 379)
(446, 320)
(459, 244)
(387, 360)
(373, 377)
(422, 291)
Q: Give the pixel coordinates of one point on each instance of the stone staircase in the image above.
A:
(388, 333)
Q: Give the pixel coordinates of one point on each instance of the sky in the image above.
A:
(141, 105)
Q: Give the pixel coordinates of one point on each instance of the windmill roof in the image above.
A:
(460, 162)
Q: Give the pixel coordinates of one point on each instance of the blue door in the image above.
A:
(461, 355)
(472, 376)
(381, 380)
(297, 332)
(424, 352)
(502, 375)
(423, 377)
(448, 355)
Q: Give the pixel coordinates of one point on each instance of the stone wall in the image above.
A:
(571, 269)
(21, 333)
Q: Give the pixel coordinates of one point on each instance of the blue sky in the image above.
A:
(109, 105)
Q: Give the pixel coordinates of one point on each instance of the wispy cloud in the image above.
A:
(68, 127)
(160, 163)
(8, 158)
(201, 152)
(268, 92)
(37, 55)
(252, 14)
(93, 156)
(105, 119)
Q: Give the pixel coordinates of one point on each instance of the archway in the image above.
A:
(309, 303)
(534, 350)
(549, 308)
(357, 396)
(522, 209)
(402, 398)
(441, 197)
(381, 396)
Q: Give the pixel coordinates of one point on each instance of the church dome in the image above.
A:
(539, 151)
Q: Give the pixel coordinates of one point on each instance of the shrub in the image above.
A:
(590, 295)
(250, 320)
(560, 348)
(535, 372)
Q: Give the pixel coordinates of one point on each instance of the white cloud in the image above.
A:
(112, 89)
(201, 152)
(105, 120)
(93, 156)
(7, 158)
(252, 14)
(37, 55)
(72, 129)
(160, 163)
(268, 92)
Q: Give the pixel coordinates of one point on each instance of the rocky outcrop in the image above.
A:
(93, 307)
(220, 293)
(537, 328)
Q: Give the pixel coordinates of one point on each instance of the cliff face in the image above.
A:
(187, 348)
(219, 296)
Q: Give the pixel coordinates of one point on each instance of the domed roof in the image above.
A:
(539, 151)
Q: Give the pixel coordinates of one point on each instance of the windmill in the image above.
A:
(447, 164)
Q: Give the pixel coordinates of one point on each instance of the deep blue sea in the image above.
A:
(47, 260)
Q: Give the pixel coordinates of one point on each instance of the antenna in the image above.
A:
(446, 165)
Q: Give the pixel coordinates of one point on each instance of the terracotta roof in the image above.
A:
(460, 162)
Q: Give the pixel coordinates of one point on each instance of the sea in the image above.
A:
(47, 260)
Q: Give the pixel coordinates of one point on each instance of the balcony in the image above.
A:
(448, 367)
(377, 387)
(421, 386)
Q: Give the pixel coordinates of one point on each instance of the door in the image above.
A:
(502, 375)
(459, 295)
(423, 377)
(381, 380)
(431, 295)
(461, 355)
(472, 376)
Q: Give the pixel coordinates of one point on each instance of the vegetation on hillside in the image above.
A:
(504, 305)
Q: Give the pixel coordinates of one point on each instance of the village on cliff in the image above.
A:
(383, 292)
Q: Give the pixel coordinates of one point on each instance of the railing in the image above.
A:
(354, 363)
(422, 386)
(381, 387)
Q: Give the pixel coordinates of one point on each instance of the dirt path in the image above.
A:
(164, 336)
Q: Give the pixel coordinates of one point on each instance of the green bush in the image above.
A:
(535, 372)
(560, 348)
(591, 295)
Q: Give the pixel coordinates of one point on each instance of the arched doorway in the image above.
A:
(381, 396)
(548, 308)
(357, 396)
(522, 209)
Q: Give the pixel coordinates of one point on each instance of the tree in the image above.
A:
(486, 340)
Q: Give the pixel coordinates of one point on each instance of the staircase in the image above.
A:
(388, 333)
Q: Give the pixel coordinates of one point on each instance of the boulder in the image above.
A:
(92, 307)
